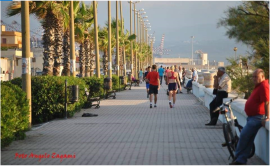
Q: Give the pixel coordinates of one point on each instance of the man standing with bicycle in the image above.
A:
(222, 86)
(257, 110)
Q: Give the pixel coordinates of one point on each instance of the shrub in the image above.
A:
(115, 82)
(94, 85)
(14, 113)
(48, 97)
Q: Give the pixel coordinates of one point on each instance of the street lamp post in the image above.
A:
(123, 47)
(72, 42)
(96, 39)
(135, 53)
(109, 43)
(117, 41)
(26, 65)
(131, 43)
(192, 37)
(235, 49)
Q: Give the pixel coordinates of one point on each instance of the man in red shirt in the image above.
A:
(257, 110)
(154, 86)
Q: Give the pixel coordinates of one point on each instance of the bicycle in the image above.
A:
(229, 128)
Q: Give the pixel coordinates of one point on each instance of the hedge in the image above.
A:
(48, 94)
(94, 85)
(48, 97)
(14, 113)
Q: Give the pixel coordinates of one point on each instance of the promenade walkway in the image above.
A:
(128, 132)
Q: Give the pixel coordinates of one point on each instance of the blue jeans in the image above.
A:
(160, 78)
(189, 84)
(247, 137)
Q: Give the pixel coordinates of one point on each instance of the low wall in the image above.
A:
(238, 105)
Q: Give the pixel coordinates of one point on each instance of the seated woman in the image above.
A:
(134, 80)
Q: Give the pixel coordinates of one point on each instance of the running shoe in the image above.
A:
(155, 105)
(150, 105)
(170, 104)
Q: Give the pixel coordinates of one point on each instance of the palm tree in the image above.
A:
(103, 45)
(66, 37)
(83, 21)
(50, 14)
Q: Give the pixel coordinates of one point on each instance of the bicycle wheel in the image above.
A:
(228, 138)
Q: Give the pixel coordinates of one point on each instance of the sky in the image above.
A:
(178, 21)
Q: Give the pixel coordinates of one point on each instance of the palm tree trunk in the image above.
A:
(58, 46)
(105, 62)
(87, 57)
(66, 58)
(120, 61)
(48, 39)
(92, 61)
(82, 60)
(124, 61)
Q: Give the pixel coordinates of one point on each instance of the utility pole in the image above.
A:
(96, 39)
(26, 65)
(192, 37)
(72, 42)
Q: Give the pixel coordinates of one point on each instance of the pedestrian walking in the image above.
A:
(173, 81)
(257, 110)
(154, 86)
(184, 76)
(146, 81)
(222, 86)
(160, 72)
(141, 75)
(179, 71)
(165, 76)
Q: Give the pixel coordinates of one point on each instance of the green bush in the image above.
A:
(14, 113)
(94, 85)
(17, 81)
(48, 97)
(115, 82)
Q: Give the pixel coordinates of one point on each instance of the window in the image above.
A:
(4, 40)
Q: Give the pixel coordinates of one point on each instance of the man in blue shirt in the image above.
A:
(160, 72)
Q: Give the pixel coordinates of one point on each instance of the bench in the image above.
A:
(91, 100)
(107, 91)
(127, 85)
(111, 94)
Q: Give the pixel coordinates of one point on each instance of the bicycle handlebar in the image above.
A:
(233, 99)
(221, 106)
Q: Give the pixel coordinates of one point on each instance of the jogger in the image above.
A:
(154, 86)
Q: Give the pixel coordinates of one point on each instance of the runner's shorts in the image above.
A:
(172, 86)
(153, 89)
(147, 86)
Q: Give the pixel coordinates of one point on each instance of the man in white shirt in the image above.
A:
(222, 86)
